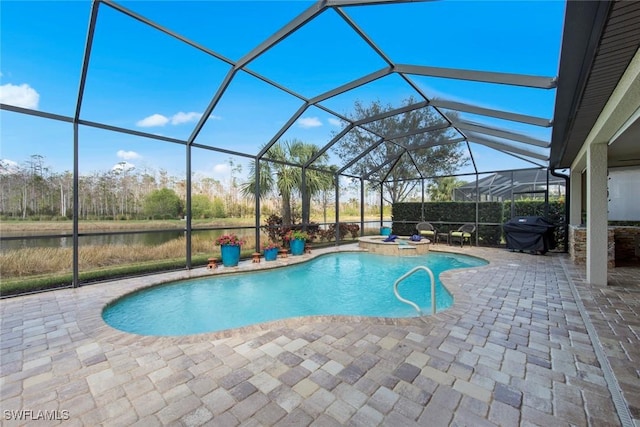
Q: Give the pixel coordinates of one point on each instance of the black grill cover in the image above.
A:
(530, 233)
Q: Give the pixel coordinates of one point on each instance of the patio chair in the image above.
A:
(425, 229)
(463, 234)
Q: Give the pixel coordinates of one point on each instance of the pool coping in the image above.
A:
(93, 324)
(516, 350)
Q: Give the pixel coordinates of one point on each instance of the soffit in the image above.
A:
(591, 66)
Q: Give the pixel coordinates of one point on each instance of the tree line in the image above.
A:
(33, 189)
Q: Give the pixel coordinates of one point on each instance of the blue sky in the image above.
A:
(144, 80)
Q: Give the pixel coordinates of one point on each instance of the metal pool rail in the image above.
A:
(433, 288)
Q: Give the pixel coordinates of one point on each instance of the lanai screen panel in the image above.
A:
(314, 127)
(414, 141)
(133, 84)
(522, 184)
(155, 164)
(390, 91)
(41, 56)
(493, 36)
(342, 149)
(487, 110)
(436, 154)
(330, 54)
(531, 141)
(39, 183)
(389, 157)
(247, 115)
(250, 73)
(312, 60)
(213, 24)
(490, 160)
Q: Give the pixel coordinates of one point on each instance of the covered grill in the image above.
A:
(530, 233)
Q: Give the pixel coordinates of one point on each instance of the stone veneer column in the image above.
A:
(597, 214)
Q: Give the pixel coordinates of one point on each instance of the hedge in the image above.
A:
(447, 216)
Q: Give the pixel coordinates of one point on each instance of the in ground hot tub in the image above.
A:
(402, 246)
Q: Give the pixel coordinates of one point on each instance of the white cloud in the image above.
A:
(153, 120)
(181, 117)
(8, 166)
(127, 155)
(123, 166)
(222, 169)
(156, 120)
(335, 122)
(21, 96)
(309, 122)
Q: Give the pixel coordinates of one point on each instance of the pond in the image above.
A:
(147, 239)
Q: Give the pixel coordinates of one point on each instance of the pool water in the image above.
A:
(348, 283)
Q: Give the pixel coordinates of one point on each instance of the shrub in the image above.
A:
(273, 227)
(229, 239)
(296, 235)
(343, 229)
(447, 216)
(277, 232)
(270, 245)
(354, 229)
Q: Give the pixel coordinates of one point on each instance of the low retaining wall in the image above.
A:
(376, 245)
(621, 247)
(627, 240)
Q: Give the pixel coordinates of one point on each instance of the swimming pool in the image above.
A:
(347, 283)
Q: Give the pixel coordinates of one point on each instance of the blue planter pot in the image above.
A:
(385, 231)
(296, 246)
(230, 255)
(270, 254)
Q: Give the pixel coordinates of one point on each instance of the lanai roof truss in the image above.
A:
(467, 130)
(511, 143)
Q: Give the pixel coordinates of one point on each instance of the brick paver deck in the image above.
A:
(514, 349)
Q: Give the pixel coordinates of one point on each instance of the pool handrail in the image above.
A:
(411, 303)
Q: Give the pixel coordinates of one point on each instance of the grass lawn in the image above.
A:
(50, 227)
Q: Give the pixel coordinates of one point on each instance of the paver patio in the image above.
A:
(515, 349)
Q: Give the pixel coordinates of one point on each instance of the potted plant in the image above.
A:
(230, 245)
(296, 240)
(270, 250)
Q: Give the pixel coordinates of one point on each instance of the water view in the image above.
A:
(124, 238)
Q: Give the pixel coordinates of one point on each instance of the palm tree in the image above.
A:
(286, 179)
(316, 181)
(442, 189)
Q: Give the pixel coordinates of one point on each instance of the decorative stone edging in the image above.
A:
(377, 245)
(92, 323)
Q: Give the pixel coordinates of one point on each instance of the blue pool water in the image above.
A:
(348, 283)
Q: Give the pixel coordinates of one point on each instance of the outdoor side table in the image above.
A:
(442, 237)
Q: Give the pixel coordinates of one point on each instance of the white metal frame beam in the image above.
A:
(500, 133)
(479, 76)
(352, 85)
(505, 148)
(481, 111)
(284, 32)
(334, 3)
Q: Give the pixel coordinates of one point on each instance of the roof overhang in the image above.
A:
(599, 42)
